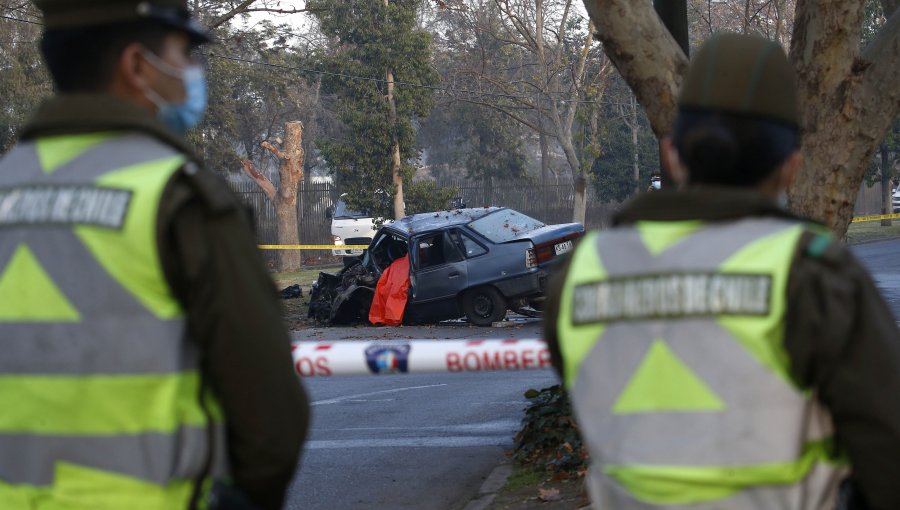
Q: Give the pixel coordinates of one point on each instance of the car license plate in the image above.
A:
(355, 251)
(563, 247)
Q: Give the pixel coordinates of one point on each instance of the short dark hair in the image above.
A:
(727, 149)
(83, 59)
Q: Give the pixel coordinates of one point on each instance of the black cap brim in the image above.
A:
(175, 18)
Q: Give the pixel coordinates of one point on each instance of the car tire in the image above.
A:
(484, 306)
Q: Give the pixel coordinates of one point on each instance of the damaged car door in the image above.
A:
(438, 274)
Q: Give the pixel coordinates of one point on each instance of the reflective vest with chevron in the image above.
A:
(99, 384)
(672, 338)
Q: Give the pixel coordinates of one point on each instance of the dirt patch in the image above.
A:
(294, 311)
(527, 489)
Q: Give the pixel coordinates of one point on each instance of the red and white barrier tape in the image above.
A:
(318, 359)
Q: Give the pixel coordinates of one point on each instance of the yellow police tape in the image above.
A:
(858, 219)
(313, 247)
(875, 217)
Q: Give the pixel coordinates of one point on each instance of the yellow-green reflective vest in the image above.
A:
(99, 384)
(672, 335)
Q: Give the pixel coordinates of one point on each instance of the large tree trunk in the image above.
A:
(291, 174)
(284, 199)
(848, 100)
(396, 167)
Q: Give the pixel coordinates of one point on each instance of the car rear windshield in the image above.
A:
(504, 225)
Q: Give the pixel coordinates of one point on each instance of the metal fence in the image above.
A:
(314, 200)
(868, 200)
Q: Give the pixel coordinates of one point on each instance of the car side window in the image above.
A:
(430, 251)
(452, 251)
(469, 246)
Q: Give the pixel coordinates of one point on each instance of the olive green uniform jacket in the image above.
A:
(210, 259)
(842, 340)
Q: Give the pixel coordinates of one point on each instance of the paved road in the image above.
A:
(411, 441)
(883, 261)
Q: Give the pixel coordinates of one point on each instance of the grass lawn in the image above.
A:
(868, 231)
(304, 277)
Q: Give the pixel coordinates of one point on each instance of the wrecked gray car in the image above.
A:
(476, 263)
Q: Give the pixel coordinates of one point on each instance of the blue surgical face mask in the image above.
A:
(184, 116)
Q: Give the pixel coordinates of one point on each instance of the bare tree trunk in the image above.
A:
(579, 208)
(887, 206)
(284, 199)
(635, 153)
(848, 101)
(745, 24)
(396, 168)
(779, 19)
(545, 167)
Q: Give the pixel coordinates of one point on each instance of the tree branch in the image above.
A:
(261, 180)
(244, 6)
(578, 80)
(274, 150)
(221, 20)
(504, 111)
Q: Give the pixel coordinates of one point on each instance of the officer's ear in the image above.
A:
(132, 75)
(672, 164)
(788, 170)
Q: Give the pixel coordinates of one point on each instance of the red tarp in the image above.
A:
(390, 297)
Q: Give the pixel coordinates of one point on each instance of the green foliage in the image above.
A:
(613, 170)
(370, 39)
(425, 196)
(549, 437)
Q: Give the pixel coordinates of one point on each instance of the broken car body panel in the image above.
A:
(493, 254)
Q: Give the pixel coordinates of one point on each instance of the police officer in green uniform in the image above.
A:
(144, 361)
(720, 352)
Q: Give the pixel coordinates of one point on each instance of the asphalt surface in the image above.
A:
(882, 259)
(414, 441)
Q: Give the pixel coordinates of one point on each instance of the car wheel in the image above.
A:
(484, 306)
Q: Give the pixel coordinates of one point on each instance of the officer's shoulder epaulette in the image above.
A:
(817, 245)
(819, 241)
(210, 188)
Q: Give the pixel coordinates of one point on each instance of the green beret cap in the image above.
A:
(744, 75)
(74, 14)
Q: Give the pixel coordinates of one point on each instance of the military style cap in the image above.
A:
(69, 14)
(743, 75)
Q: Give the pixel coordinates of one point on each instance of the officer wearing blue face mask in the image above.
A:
(144, 357)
